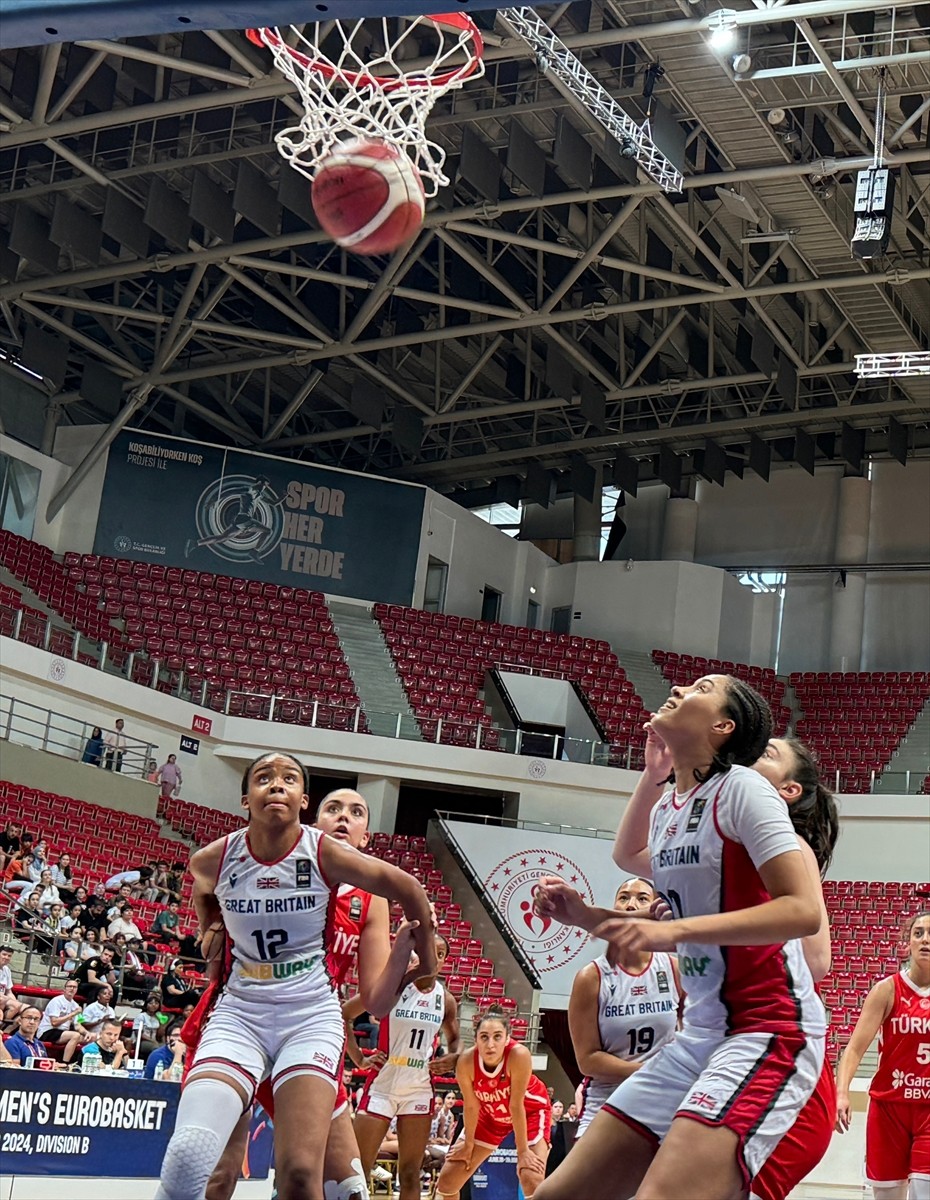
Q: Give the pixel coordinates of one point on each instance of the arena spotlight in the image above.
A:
(742, 64)
(722, 27)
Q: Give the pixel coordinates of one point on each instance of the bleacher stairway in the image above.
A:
(912, 754)
(645, 676)
(372, 668)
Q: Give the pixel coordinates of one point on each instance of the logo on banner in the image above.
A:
(238, 519)
(547, 944)
(122, 544)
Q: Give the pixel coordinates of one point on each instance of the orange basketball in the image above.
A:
(368, 196)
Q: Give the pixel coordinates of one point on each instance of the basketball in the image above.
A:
(368, 196)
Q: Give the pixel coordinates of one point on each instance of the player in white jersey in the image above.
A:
(622, 1009)
(711, 1106)
(402, 1086)
(269, 890)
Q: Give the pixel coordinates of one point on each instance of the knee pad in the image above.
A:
(353, 1187)
(191, 1156)
(918, 1187)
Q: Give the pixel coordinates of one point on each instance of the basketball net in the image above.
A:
(360, 89)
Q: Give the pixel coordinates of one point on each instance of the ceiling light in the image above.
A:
(776, 117)
(737, 205)
(742, 64)
(722, 26)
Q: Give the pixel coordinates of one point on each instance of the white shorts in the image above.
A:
(752, 1083)
(595, 1095)
(389, 1094)
(251, 1041)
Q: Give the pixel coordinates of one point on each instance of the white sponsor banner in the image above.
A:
(510, 861)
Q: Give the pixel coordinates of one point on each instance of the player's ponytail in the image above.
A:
(494, 1013)
(814, 814)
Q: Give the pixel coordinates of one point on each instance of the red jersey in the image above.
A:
(350, 913)
(903, 1073)
(492, 1091)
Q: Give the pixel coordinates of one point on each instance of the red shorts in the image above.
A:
(803, 1146)
(897, 1141)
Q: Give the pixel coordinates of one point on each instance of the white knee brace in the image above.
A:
(353, 1187)
(207, 1115)
(918, 1188)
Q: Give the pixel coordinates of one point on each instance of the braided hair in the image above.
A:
(814, 816)
(752, 719)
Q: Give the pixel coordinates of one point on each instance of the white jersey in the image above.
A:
(408, 1034)
(277, 916)
(636, 1014)
(706, 848)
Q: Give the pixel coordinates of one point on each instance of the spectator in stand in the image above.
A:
(95, 916)
(176, 1025)
(16, 868)
(133, 980)
(93, 751)
(442, 1129)
(108, 1046)
(29, 924)
(72, 917)
(173, 1051)
(37, 862)
(152, 1030)
(25, 1043)
(63, 876)
(157, 891)
(10, 842)
(115, 745)
(81, 895)
(53, 920)
(10, 1007)
(175, 886)
(173, 990)
(124, 895)
(125, 924)
(57, 1023)
(166, 922)
(46, 891)
(151, 771)
(94, 972)
(99, 1010)
(75, 949)
(169, 777)
(558, 1111)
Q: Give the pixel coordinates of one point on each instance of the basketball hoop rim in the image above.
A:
(268, 36)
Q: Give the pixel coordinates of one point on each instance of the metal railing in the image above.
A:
(27, 724)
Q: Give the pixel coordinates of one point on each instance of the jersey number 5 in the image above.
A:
(269, 943)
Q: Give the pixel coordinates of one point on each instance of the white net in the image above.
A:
(373, 79)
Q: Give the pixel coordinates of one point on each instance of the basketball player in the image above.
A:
(400, 1084)
(500, 1093)
(610, 1034)
(897, 1134)
(723, 853)
(270, 886)
(360, 934)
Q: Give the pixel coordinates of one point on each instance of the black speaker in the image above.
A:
(760, 457)
(897, 440)
(713, 465)
(625, 473)
(852, 445)
(873, 208)
(804, 450)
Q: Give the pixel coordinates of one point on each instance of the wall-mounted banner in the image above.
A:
(190, 745)
(64, 1124)
(190, 504)
(201, 724)
(510, 861)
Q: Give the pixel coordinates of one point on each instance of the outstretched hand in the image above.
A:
(557, 900)
(632, 934)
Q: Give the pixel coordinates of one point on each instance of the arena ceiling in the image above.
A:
(160, 265)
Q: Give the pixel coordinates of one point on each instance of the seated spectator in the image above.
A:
(10, 842)
(152, 1030)
(445, 1118)
(29, 924)
(133, 982)
(175, 885)
(72, 952)
(93, 972)
(10, 1007)
(37, 862)
(57, 1024)
(25, 1043)
(123, 895)
(177, 1024)
(175, 994)
(93, 751)
(63, 876)
(107, 1044)
(17, 864)
(53, 920)
(47, 892)
(166, 921)
(99, 1010)
(95, 916)
(124, 924)
(71, 918)
(81, 895)
(173, 1051)
(158, 891)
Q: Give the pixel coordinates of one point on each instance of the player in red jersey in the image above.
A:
(897, 1134)
(500, 1093)
(360, 934)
